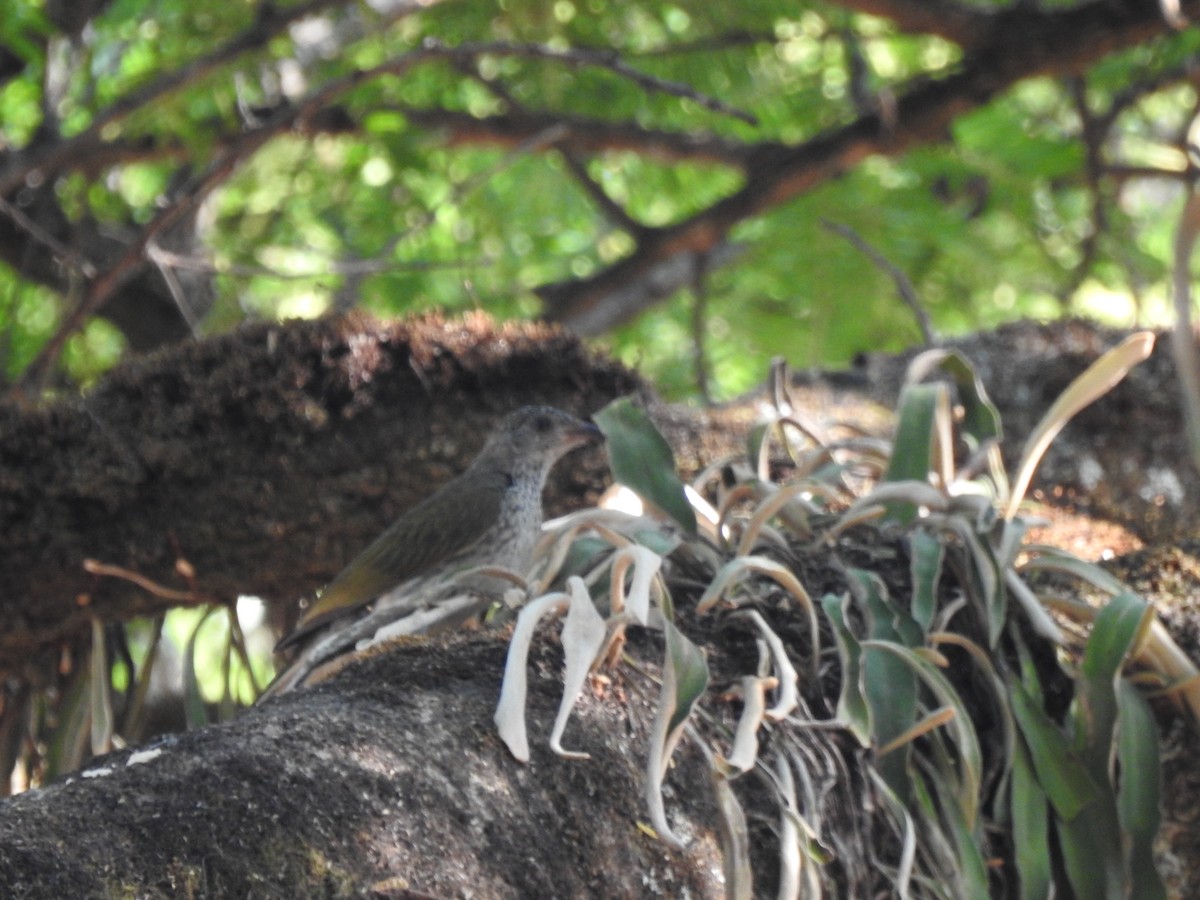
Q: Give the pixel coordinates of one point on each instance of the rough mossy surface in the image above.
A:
(265, 458)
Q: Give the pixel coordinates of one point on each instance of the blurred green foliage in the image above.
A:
(1002, 220)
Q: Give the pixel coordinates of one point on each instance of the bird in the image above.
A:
(488, 516)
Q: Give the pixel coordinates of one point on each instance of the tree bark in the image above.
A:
(265, 458)
(388, 781)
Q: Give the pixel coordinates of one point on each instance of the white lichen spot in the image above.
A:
(97, 773)
(1162, 487)
(143, 756)
(1090, 472)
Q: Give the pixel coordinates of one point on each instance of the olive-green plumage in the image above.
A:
(449, 523)
(490, 515)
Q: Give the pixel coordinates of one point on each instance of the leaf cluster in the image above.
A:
(1004, 746)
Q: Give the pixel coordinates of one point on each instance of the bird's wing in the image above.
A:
(412, 545)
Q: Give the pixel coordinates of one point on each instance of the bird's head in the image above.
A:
(539, 435)
(544, 430)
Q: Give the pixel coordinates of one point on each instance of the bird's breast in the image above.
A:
(521, 522)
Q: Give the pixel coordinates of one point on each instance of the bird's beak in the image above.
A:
(585, 434)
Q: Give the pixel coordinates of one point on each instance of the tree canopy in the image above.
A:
(703, 186)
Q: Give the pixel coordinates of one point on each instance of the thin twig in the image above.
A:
(609, 60)
(923, 113)
(191, 196)
(613, 210)
(1094, 132)
(270, 21)
(95, 567)
(178, 294)
(1184, 335)
(350, 268)
(61, 251)
(132, 259)
(1122, 173)
(700, 363)
(711, 44)
(585, 135)
(241, 149)
(903, 286)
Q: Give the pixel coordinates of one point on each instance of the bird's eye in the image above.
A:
(543, 424)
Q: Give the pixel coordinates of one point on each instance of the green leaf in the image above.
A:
(1140, 790)
(927, 555)
(889, 685)
(641, 459)
(966, 741)
(1093, 842)
(1059, 770)
(912, 448)
(981, 418)
(757, 437)
(985, 580)
(1092, 852)
(1053, 559)
(685, 676)
(1030, 828)
(688, 676)
(852, 706)
(970, 866)
(1118, 626)
(920, 447)
(1115, 631)
(67, 744)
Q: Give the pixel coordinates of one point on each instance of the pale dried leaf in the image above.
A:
(510, 710)
(583, 636)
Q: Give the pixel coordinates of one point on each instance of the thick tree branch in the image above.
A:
(48, 158)
(957, 22)
(133, 258)
(266, 458)
(301, 116)
(385, 782)
(584, 136)
(1019, 44)
(40, 243)
(669, 273)
(1002, 48)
